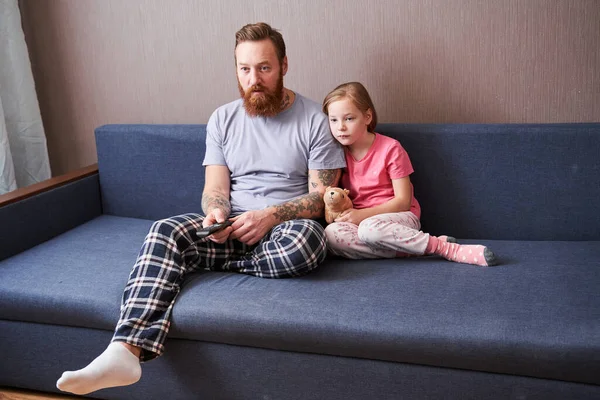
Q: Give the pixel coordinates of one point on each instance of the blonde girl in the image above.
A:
(384, 222)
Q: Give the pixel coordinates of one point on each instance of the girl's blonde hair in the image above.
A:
(358, 94)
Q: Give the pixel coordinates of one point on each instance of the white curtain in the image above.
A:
(23, 150)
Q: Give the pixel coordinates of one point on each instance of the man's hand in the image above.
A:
(251, 226)
(213, 217)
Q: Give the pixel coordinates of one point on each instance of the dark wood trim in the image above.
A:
(22, 394)
(49, 184)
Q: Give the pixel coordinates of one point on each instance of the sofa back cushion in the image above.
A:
(476, 181)
(151, 171)
(506, 181)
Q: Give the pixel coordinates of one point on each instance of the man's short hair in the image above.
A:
(262, 31)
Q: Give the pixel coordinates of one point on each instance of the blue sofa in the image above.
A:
(419, 328)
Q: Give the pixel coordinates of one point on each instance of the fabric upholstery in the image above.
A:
(523, 181)
(151, 171)
(505, 181)
(538, 314)
(36, 219)
(193, 370)
(76, 278)
(528, 328)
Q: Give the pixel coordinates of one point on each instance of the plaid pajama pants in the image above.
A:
(172, 250)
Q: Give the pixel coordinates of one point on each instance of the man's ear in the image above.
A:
(284, 66)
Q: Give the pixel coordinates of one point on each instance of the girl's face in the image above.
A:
(347, 123)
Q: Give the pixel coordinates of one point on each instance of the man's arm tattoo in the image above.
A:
(211, 201)
(307, 206)
(329, 177)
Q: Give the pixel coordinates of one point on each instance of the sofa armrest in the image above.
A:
(49, 184)
(37, 213)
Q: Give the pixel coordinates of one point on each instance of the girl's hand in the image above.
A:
(352, 215)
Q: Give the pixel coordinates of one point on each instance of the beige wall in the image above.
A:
(155, 61)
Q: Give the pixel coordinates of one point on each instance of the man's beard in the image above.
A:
(267, 104)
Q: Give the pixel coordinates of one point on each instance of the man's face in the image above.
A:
(260, 77)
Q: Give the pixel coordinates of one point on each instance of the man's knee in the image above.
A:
(162, 226)
(174, 226)
(307, 246)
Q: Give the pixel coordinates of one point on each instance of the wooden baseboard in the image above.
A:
(17, 394)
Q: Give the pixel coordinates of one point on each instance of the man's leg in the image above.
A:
(292, 248)
(170, 251)
(118, 365)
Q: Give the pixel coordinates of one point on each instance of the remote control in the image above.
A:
(209, 230)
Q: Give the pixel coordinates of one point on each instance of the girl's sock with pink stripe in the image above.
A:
(474, 254)
(448, 239)
(402, 254)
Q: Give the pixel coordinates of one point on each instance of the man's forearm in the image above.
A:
(214, 199)
(308, 206)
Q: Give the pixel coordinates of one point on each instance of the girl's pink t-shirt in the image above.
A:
(370, 179)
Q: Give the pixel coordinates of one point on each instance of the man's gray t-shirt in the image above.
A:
(269, 157)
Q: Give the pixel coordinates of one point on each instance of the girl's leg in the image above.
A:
(350, 241)
(170, 251)
(400, 231)
(468, 254)
(343, 240)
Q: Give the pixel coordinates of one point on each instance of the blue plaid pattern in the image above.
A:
(172, 249)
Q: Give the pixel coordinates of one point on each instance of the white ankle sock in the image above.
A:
(116, 366)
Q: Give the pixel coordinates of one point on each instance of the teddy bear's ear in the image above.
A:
(346, 191)
(327, 188)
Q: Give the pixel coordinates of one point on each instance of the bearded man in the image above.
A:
(269, 157)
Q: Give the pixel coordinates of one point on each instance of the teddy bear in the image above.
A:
(336, 200)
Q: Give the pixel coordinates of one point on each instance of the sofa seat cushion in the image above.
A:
(538, 314)
(75, 279)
